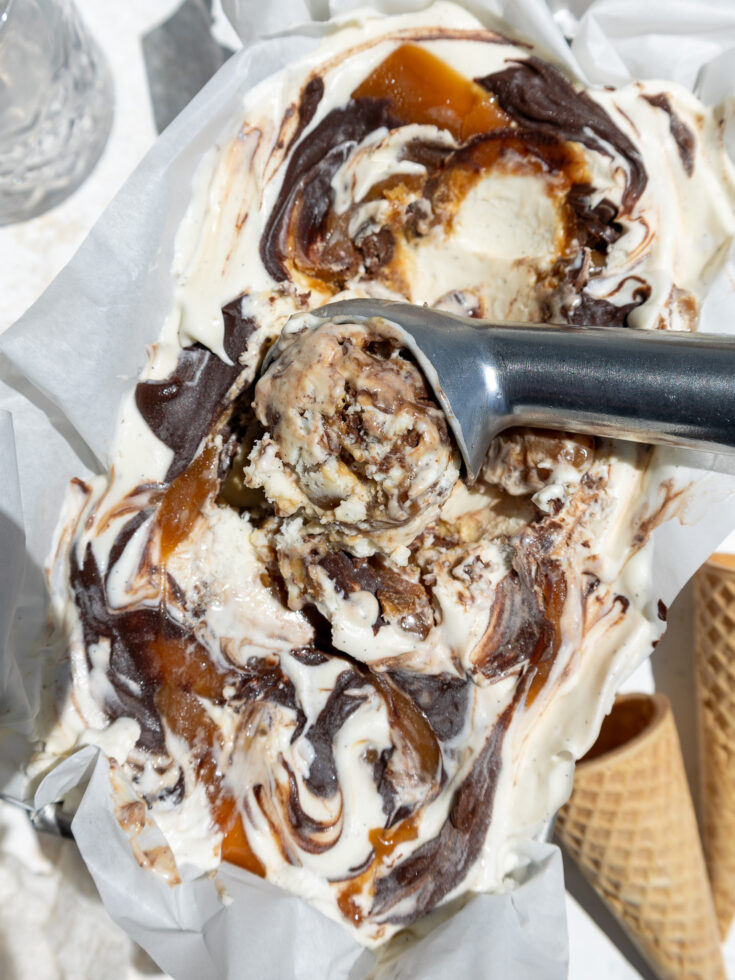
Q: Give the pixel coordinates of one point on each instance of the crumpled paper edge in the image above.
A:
(149, 296)
(190, 933)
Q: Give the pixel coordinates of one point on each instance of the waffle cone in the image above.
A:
(631, 827)
(714, 598)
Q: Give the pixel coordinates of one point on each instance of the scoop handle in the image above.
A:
(648, 386)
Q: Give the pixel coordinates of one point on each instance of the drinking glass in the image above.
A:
(56, 105)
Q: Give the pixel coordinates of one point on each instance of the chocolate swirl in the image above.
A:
(341, 703)
(439, 865)
(536, 94)
(307, 181)
(680, 132)
(182, 408)
(130, 635)
(150, 650)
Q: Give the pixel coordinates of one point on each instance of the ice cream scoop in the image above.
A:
(354, 440)
(648, 386)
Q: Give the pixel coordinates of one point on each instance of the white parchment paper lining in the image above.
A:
(68, 362)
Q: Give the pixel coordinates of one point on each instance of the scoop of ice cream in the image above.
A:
(523, 461)
(353, 438)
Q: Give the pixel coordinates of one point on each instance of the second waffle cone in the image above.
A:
(631, 827)
(714, 598)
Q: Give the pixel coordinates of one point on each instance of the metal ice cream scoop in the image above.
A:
(649, 386)
(50, 819)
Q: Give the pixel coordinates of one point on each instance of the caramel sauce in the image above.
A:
(184, 677)
(541, 675)
(560, 165)
(236, 847)
(384, 841)
(422, 88)
(183, 501)
(347, 904)
(187, 667)
(184, 672)
(233, 490)
(398, 189)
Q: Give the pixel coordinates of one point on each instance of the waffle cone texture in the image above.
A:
(631, 827)
(714, 598)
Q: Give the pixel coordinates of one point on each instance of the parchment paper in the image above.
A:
(80, 347)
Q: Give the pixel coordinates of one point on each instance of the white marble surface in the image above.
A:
(52, 926)
(52, 923)
(35, 251)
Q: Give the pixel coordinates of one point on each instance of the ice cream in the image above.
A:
(354, 440)
(310, 647)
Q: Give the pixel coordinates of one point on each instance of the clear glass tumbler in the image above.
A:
(56, 105)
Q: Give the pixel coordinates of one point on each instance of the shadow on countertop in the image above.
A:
(180, 56)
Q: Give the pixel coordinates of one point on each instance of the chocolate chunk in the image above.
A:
(377, 249)
(443, 698)
(428, 154)
(309, 656)
(595, 312)
(419, 218)
(349, 574)
(403, 602)
(597, 227)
